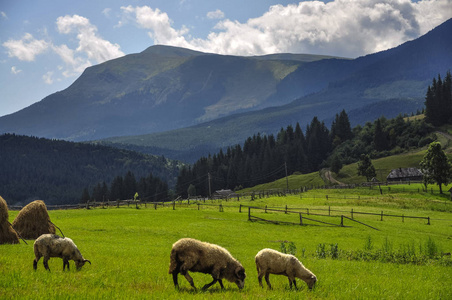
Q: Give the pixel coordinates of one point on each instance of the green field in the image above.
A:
(129, 249)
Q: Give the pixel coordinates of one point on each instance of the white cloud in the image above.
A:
(90, 43)
(3, 15)
(159, 24)
(106, 12)
(15, 71)
(341, 27)
(217, 14)
(47, 77)
(26, 48)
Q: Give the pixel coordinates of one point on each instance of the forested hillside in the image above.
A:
(58, 171)
(266, 158)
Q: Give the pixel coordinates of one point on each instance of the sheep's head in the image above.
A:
(80, 263)
(311, 281)
(240, 277)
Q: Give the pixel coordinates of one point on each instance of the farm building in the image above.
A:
(405, 174)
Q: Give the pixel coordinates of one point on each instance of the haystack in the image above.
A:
(33, 220)
(7, 234)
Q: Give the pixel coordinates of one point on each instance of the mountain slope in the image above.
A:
(159, 89)
(386, 83)
(58, 171)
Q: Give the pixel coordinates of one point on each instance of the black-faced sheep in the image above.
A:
(196, 256)
(52, 245)
(269, 261)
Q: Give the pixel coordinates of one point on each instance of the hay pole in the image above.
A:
(58, 228)
(17, 232)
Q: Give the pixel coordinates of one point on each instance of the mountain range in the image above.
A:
(184, 103)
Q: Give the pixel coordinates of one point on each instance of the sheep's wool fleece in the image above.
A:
(274, 261)
(211, 253)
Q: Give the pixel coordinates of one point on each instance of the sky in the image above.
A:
(46, 44)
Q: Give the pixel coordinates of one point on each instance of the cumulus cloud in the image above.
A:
(341, 27)
(26, 48)
(90, 43)
(47, 77)
(217, 14)
(159, 24)
(15, 71)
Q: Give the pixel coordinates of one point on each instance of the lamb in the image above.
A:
(52, 245)
(269, 261)
(192, 255)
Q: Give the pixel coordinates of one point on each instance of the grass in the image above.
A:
(129, 250)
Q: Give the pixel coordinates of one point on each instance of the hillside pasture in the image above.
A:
(129, 249)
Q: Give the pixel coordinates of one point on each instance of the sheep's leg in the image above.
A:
(212, 283)
(259, 277)
(35, 262)
(295, 284)
(221, 283)
(65, 263)
(189, 279)
(267, 279)
(46, 264)
(176, 284)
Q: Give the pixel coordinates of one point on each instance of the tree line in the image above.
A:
(58, 171)
(438, 101)
(267, 158)
(149, 189)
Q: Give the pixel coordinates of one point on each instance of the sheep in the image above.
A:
(269, 261)
(192, 255)
(52, 245)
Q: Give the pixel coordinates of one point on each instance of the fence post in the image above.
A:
(428, 220)
(381, 219)
(301, 219)
(329, 210)
(352, 213)
(221, 207)
(286, 208)
(307, 210)
(403, 218)
(249, 213)
(174, 205)
(240, 208)
(342, 220)
(265, 208)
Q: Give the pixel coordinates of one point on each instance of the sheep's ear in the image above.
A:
(240, 272)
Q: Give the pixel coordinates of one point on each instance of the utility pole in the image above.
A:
(287, 179)
(210, 191)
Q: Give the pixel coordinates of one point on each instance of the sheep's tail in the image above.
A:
(257, 265)
(173, 261)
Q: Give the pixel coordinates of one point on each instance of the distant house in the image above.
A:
(223, 194)
(405, 174)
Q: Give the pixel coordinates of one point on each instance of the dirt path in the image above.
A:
(331, 179)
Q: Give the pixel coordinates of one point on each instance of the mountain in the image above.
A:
(385, 83)
(159, 89)
(180, 101)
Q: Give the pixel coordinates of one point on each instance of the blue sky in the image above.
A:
(46, 44)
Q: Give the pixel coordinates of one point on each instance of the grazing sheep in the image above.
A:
(52, 245)
(269, 261)
(196, 256)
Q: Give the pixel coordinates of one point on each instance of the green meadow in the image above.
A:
(129, 249)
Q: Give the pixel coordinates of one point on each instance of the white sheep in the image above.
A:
(269, 261)
(192, 255)
(52, 245)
